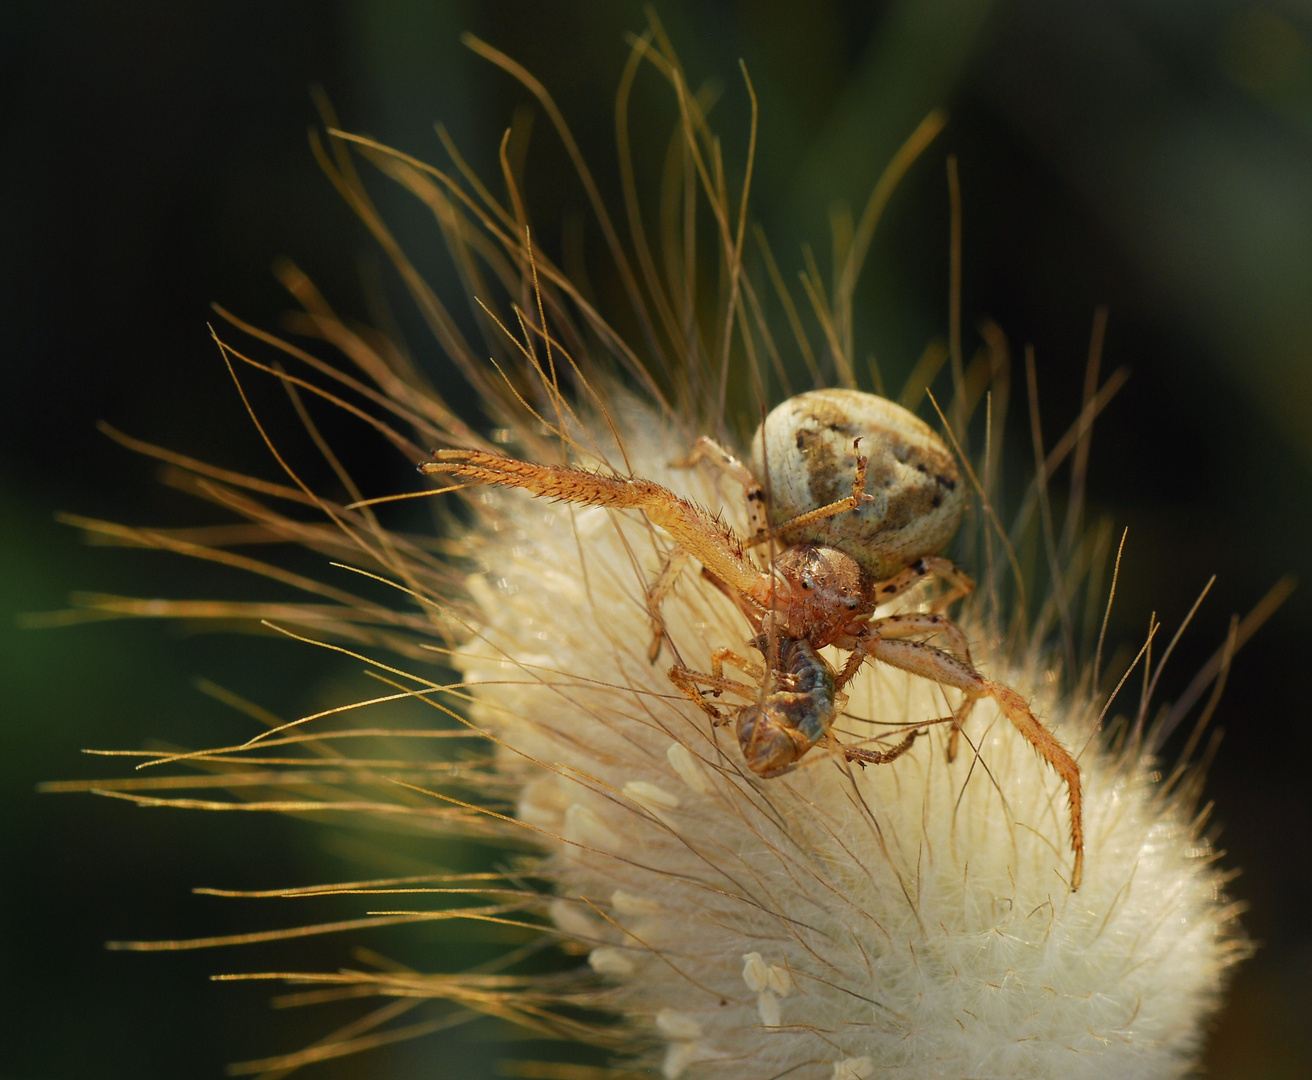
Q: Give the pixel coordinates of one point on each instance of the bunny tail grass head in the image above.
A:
(838, 921)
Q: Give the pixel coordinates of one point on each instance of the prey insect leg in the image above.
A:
(875, 757)
(692, 682)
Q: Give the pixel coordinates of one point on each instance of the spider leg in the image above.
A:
(829, 510)
(707, 449)
(707, 540)
(959, 585)
(913, 624)
(656, 596)
(930, 565)
(946, 669)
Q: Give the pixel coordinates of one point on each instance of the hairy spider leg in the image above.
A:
(959, 585)
(932, 663)
(707, 449)
(910, 624)
(913, 624)
(832, 509)
(758, 528)
(758, 525)
(660, 588)
(709, 541)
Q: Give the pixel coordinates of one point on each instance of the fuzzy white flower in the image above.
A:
(907, 920)
(912, 919)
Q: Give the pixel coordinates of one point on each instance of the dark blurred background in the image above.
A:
(1153, 157)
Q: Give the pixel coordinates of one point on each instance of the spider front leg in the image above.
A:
(707, 449)
(702, 536)
(948, 670)
(959, 585)
(912, 624)
(917, 624)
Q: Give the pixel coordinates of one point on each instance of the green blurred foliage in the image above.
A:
(1154, 157)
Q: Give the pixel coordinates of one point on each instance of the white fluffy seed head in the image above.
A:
(909, 920)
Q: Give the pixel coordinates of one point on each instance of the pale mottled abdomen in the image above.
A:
(807, 460)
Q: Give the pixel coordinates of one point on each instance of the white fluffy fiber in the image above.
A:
(911, 920)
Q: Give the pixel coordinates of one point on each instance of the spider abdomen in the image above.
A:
(806, 451)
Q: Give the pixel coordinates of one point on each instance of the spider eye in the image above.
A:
(806, 583)
(851, 605)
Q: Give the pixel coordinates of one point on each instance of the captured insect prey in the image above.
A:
(850, 499)
(792, 709)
